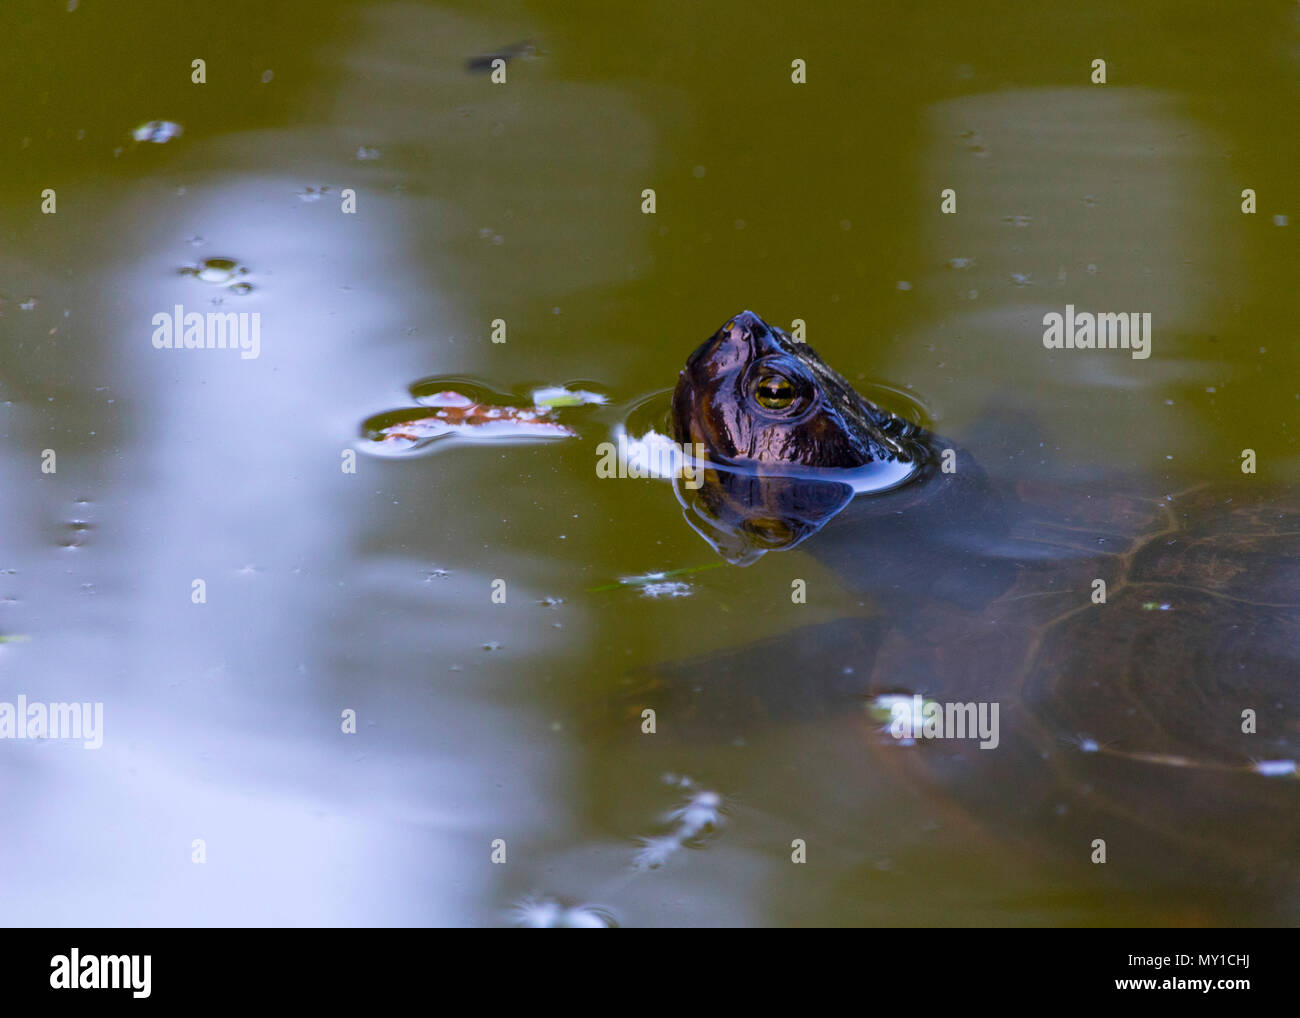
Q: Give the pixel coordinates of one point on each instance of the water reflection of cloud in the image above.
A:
(223, 718)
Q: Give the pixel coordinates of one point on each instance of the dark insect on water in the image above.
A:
(525, 50)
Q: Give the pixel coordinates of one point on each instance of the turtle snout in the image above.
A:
(749, 325)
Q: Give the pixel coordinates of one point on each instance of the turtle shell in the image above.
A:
(1162, 721)
(1165, 715)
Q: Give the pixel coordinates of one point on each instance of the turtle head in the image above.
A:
(752, 395)
(775, 423)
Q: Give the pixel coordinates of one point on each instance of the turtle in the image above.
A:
(1141, 645)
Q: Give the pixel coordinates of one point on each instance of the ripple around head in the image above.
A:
(645, 432)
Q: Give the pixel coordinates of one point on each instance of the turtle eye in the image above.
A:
(774, 392)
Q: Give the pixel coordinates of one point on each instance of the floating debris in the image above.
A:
(461, 416)
(552, 913)
(669, 589)
(975, 143)
(653, 578)
(1275, 768)
(898, 713)
(158, 131)
(558, 396)
(461, 408)
(700, 816)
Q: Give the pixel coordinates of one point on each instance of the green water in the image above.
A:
(329, 591)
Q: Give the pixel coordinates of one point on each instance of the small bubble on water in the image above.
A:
(217, 271)
(903, 284)
(267, 75)
(1280, 220)
(699, 172)
(366, 152)
(77, 533)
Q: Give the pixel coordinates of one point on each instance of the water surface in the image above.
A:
(329, 591)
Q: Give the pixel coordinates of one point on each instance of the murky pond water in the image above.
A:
(205, 542)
